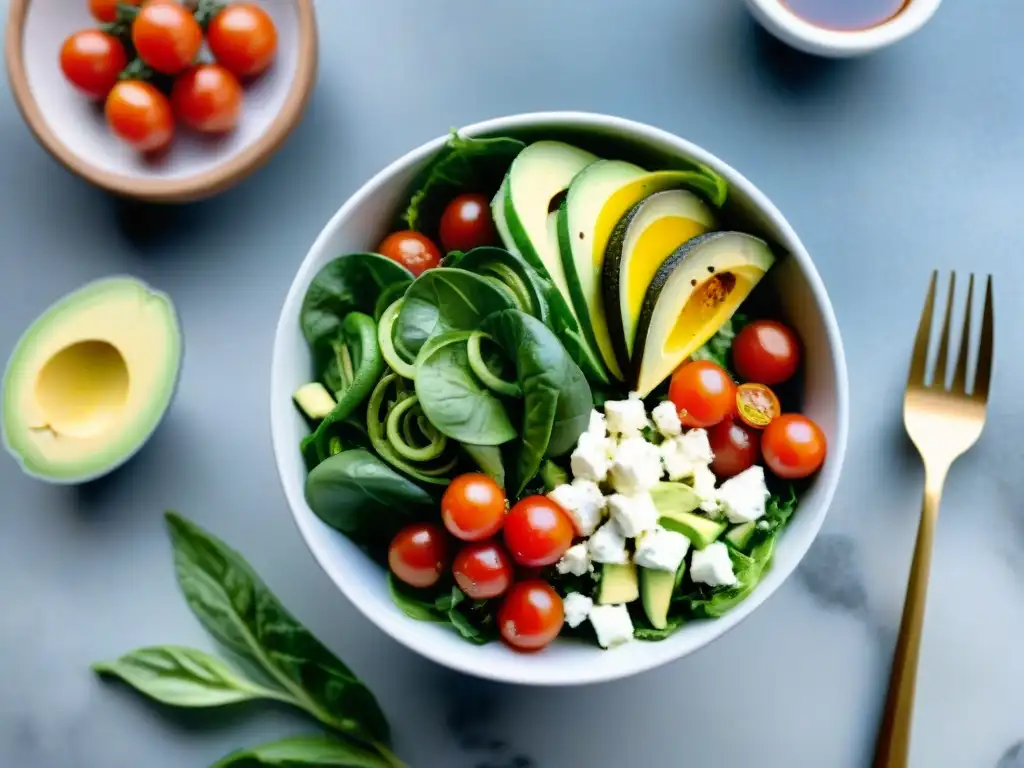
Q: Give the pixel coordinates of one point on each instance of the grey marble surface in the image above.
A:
(887, 166)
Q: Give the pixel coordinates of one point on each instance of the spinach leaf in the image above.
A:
(453, 399)
(358, 494)
(563, 322)
(238, 609)
(303, 752)
(556, 396)
(350, 283)
(185, 677)
(643, 631)
(552, 475)
(413, 605)
(473, 619)
(489, 459)
(464, 165)
(513, 271)
(445, 299)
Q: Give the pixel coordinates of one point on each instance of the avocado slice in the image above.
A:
(619, 584)
(695, 291)
(739, 536)
(640, 243)
(701, 531)
(596, 202)
(314, 400)
(90, 380)
(674, 497)
(538, 175)
(656, 589)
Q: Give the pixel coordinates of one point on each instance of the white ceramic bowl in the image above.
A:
(361, 223)
(811, 38)
(73, 128)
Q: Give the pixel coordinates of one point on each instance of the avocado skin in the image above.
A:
(661, 277)
(611, 279)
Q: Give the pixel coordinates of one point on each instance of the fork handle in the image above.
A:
(893, 744)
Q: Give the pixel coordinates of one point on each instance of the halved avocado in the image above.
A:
(538, 175)
(692, 294)
(642, 240)
(596, 202)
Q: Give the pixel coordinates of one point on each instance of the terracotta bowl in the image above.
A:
(73, 129)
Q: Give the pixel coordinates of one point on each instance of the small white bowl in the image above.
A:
(794, 30)
(361, 223)
(73, 129)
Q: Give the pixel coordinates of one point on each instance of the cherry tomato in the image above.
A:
(703, 393)
(243, 38)
(537, 531)
(467, 224)
(207, 98)
(166, 36)
(418, 554)
(106, 10)
(736, 447)
(92, 60)
(140, 115)
(473, 507)
(482, 570)
(766, 351)
(531, 615)
(793, 446)
(414, 251)
(756, 405)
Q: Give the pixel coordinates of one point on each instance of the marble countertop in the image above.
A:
(887, 166)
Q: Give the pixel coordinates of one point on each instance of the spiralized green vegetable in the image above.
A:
(481, 371)
(385, 337)
(399, 433)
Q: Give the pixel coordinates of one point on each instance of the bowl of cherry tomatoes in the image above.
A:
(162, 100)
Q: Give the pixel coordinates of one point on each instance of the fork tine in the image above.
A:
(960, 375)
(919, 361)
(984, 374)
(939, 380)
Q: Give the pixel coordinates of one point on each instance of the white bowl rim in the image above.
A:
(839, 42)
(402, 628)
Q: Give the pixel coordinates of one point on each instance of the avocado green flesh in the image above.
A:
(90, 379)
(619, 584)
(701, 531)
(314, 400)
(740, 535)
(500, 223)
(694, 292)
(640, 243)
(674, 497)
(582, 256)
(656, 589)
(538, 175)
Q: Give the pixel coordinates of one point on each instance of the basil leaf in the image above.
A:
(317, 751)
(184, 677)
(238, 609)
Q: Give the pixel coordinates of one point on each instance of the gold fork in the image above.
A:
(943, 423)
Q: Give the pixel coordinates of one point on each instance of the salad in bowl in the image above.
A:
(557, 395)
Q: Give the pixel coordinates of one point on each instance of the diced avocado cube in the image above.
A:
(674, 497)
(314, 400)
(739, 536)
(656, 589)
(619, 584)
(701, 531)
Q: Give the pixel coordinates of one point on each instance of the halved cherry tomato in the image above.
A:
(537, 531)
(756, 405)
(243, 38)
(467, 223)
(138, 113)
(483, 570)
(473, 507)
(414, 251)
(418, 554)
(793, 446)
(531, 615)
(736, 447)
(92, 60)
(207, 98)
(766, 351)
(166, 36)
(106, 10)
(703, 393)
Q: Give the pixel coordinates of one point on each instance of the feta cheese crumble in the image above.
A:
(583, 502)
(626, 418)
(634, 514)
(685, 454)
(712, 566)
(666, 419)
(743, 497)
(611, 624)
(577, 608)
(661, 550)
(608, 545)
(704, 487)
(576, 561)
(589, 461)
(636, 466)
